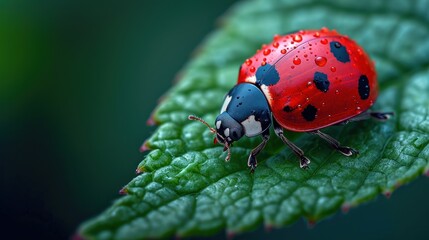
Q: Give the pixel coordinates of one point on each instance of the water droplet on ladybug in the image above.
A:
(316, 34)
(263, 63)
(359, 51)
(324, 30)
(324, 41)
(276, 44)
(276, 37)
(333, 69)
(296, 61)
(292, 67)
(309, 83)
(305, 55)
(267, 51)
(320, 61)
(283, 51)
(337, 44)
(337, 92)
(252, 69)
(299, 106)
(297, 38)
(307, 99)
(248, 62)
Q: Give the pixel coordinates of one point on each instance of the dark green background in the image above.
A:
(78, 82)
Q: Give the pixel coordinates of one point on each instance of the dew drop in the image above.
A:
(263, 63)
(296, 61)
(309, 83)
(267, 51)
(299, 106)
(320, 61)
(297, 38)
(276, 37)
(307, 99)
(316, 34)
(252, 69)
(324, 30)
(283, 51)
(333, 69)
(324, 41)
(276, 44)
(337, 92)
(248, 62)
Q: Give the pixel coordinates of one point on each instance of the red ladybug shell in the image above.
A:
(313, 78)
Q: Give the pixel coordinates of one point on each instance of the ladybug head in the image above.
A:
(228, 129)
(219, 137)
(245, 112)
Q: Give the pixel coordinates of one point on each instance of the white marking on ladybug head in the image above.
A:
(251, 79)
(226, 132)
(251, 126)
(266, 92)
(225, 104)
(218, 123)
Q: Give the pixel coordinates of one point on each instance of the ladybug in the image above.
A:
(302, 82)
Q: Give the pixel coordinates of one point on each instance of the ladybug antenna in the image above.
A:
(226, 144)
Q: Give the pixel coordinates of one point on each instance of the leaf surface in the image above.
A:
(187, 189)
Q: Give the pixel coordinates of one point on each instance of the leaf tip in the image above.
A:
(311, 223)
(345, 208)
(387, 194)
(140, 170)
(230, 234)
(123, 191)
(151, 121)
(144, 147)
(77, 236)
(268, 227)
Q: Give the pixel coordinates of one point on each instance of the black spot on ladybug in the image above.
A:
(287, 108)
(363, 87)
(267, 75)
(309, 113)
(321, 81)
(339, 51)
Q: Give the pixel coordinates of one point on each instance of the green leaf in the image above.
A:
(187, 189)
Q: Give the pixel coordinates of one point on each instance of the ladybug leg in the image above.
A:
(381, 116)
(303, 160)
(252, 163)
(347, 151)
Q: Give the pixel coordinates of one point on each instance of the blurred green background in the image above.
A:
(78, 81)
